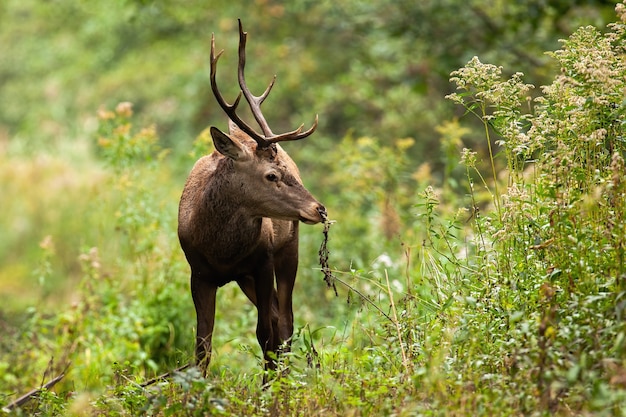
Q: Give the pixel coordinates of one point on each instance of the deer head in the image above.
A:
(271, 174)
(268, 179)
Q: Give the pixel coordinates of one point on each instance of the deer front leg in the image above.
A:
(265, 296)
(203, 294)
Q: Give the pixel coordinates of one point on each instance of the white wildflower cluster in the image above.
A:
(617, 171)
(468, 158)
(596, 137)
(620, 10)
(480, 82)
(475, 76)
(581, 107)
(517, 201)
(499, 102)
(91, 263)
(571, 133)
(589, 59)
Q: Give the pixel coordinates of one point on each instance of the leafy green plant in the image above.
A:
(508, 300)
(550, 261)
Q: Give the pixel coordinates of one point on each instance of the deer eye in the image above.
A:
(271, 177)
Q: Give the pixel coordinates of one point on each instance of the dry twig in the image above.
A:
(164, 376)
(323, 253)
(33, 393)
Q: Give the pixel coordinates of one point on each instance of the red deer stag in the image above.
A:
(238, 220)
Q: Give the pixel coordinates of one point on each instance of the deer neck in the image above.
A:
(229, 225)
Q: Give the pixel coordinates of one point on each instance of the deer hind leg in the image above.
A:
(286, 264)
(203, 294)
(248, 287)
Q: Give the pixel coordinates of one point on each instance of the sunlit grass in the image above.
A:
(49, 207)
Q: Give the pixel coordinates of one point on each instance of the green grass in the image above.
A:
(504, 299)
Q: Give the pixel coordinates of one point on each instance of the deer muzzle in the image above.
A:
(314, 216)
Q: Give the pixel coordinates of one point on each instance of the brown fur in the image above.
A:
(236, 223)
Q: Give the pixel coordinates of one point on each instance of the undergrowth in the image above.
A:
(508, 301)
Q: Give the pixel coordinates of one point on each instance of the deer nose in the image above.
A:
(322, 212)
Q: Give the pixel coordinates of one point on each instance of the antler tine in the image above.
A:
(253, 101)
(256, 101)
(220, 99)
(230, 109)
(295, 134)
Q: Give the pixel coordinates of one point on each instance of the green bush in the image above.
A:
(542, 311)
(504, 299)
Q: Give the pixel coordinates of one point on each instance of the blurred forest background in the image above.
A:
(89, 193)
(369, 69)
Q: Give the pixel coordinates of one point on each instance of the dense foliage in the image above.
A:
(479, 262)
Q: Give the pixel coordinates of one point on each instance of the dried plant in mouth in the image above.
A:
(330, 279)
(324, 252)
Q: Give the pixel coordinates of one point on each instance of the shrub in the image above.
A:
(543, 309)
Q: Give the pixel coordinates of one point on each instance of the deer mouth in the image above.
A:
(320, 211)
(308, 221)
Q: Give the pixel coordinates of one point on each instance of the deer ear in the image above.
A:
(227, 146)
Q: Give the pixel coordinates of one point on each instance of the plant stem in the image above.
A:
(496, 195)
(405, 361)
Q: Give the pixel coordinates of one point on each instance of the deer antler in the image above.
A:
(268, 137)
